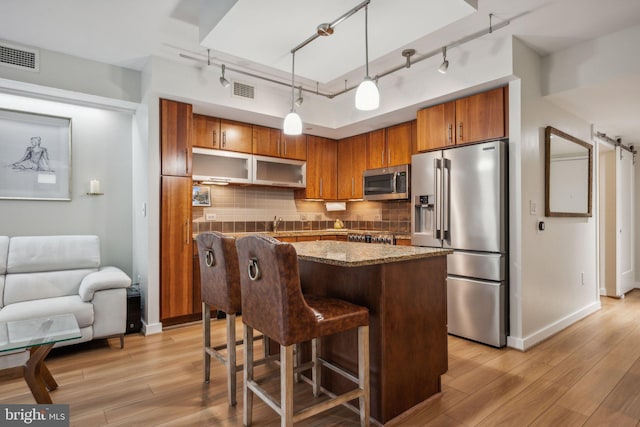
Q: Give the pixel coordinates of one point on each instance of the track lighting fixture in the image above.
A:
(445, 62)
(367, 95)
(224, 82)
(300, 99)
(292, 123)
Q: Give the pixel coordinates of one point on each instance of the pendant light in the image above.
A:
(367, 95)
(292, 123)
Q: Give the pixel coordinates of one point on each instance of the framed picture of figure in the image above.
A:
(35, 156)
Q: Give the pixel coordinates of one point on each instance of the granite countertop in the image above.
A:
(352, 254)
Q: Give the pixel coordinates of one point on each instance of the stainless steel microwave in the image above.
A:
(390, 183)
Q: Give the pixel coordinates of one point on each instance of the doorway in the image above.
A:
(616, 220)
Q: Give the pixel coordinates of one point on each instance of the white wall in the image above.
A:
(547, 292)
(100, 149)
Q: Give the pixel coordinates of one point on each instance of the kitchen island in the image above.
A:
(404, 288)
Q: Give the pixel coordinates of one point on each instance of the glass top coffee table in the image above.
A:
(39, 336)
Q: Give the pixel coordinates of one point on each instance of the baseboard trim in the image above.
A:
(524, 344)
(154, 328)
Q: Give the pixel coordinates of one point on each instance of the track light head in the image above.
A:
(300, 99)
(445, 62)
(224, 82)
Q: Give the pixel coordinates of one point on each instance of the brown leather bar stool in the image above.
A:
(220, 282)
(272, 303)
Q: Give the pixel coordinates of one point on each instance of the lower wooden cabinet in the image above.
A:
(176, 268)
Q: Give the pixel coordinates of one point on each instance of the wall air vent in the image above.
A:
(19, 57)
(242, 90)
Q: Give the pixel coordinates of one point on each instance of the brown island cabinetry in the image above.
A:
(404, 288)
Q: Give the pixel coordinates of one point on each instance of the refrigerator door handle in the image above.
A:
(446, 185)
(438, 193)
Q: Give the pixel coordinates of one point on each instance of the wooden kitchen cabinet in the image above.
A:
(176, 289)
(175, 138)
(481, 117)
(351, 164)
(236, 136)
(272, 142)
(466, 120)
(322, 169)
(390, 146)
(294, 147)
(399, 142)
(436, 127)
(206, 131)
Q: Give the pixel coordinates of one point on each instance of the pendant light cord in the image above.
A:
(366, 38)
(293, 67)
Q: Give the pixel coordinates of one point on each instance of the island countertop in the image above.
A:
(354, 254)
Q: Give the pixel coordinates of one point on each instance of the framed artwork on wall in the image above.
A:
(35, 156)
(201, 196)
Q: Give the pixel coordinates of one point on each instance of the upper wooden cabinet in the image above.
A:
(481, 117)
(206, 131)
(236, 136)
(475, 118)
(294, 147)
(351, 165)
(436, 127)
(399, 142)
(175, 138)
(322, 154)
(272, 142)
(390, 146)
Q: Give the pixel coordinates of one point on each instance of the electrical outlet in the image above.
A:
(303, 218)
(533, 208)
(210, 217)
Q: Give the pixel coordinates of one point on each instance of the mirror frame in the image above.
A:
(549, 130)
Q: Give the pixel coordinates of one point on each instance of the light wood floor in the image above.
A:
(588, 374)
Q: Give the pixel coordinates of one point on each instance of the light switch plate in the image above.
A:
(533, 208)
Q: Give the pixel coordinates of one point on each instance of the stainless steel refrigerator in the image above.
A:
(460, 202)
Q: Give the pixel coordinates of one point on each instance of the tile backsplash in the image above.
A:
(252, 209)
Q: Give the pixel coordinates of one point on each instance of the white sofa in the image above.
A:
(48, 275)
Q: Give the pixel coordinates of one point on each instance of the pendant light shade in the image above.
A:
(292, 124)
(367, 95)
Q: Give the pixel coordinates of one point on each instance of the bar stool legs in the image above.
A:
(230, 360)
(287, 369)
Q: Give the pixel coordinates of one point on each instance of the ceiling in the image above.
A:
(258, 36)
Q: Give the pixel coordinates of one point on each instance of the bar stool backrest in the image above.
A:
(272, 300)
(219, 271)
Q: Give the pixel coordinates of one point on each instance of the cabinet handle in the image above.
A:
(186, 161)
(213, 143)
(353, 186)
(186, 232)
(382, 158)
(460, 131)
(450, 132)
(224, 138)
(320, 187)
(285, 148)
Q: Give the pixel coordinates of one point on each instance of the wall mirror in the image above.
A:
(568, 173)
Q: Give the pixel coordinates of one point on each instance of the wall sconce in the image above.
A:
(94, 188)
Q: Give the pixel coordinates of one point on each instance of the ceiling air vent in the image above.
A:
(19, 57)
(243, 90)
